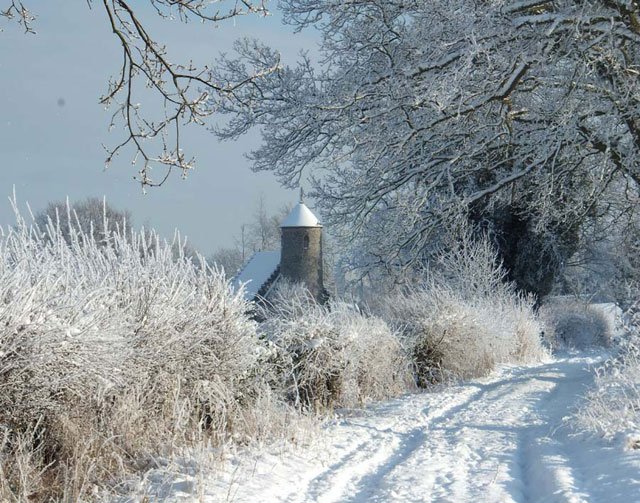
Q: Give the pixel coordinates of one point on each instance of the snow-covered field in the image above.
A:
(498, 439)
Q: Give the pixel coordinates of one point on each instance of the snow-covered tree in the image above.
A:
(606, 266)
(264, 229)
(520, 112)
(92, 217)
(230, 259)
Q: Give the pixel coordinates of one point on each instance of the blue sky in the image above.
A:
(49, 151)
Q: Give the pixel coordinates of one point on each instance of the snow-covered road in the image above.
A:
(497, 439)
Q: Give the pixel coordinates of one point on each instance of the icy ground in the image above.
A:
(498, 439)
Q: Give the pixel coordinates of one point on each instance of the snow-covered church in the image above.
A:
(298, 260)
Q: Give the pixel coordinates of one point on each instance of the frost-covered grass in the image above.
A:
(113, 352)
(334, 355)
(455, 337)
(465, 319)
(612, 405)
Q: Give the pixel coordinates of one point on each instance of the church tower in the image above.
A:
(301, 250)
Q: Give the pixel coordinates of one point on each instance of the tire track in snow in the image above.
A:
(465, 448)
(457, 446)
(367, 464)
(548, 468)
(498, 439)
(370, 483)
(336, 479)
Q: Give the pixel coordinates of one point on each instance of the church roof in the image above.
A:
(257, 273)
(301, 216)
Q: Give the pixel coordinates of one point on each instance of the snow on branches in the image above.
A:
(464, 319)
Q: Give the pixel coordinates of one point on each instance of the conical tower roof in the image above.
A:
(301, 216)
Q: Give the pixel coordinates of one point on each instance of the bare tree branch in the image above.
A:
(18, 12)
(184, 90)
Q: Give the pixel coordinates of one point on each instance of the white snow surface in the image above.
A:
(300, 216)
(257, 271)
(504, 438)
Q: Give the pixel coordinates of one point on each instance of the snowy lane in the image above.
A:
(498, 439)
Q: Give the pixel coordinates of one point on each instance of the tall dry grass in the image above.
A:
(333, 355)
(464, 318)
(115, 350)
(612, 405)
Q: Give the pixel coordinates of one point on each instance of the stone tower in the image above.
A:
(301, 250)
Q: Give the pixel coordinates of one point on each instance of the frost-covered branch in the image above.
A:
(180, 90)
(419, 114)
(185, 89)
(17, 11)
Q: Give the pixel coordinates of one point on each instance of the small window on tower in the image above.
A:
(306, 242)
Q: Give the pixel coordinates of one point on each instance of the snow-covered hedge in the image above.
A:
(112, 353)
(575, 324)
(332, 356)
(464, 319)
(612, 405)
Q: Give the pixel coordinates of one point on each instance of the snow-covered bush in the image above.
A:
(112, 353)
(332, 356)
(612, 405)
(464, 318)
(575, 324)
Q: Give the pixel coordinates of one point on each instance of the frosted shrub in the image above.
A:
(112, 353)
(464, 318)
(332, 356)
(612, 405)
(575, 324)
